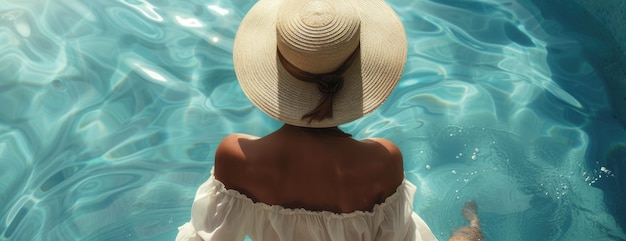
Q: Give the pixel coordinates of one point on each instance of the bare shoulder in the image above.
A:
(390, 165)
(391, 153)
(230, 157)
(391, 147)
(235, 138)
(230, 147)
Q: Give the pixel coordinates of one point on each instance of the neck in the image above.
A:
(326, 131)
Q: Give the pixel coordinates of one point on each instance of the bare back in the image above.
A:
(295, 168)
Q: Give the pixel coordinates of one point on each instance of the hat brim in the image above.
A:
(367, 83)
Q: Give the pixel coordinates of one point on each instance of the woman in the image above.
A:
(312, 64)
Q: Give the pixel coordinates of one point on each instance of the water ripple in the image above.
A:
(126, 20)
(112, 111)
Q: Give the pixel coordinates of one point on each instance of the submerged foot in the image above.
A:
(469, 212)
(471, 232)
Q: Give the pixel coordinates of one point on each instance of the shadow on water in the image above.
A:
(606, 159)
(614, 185)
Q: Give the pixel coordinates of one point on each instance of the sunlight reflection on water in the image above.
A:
(113, 110)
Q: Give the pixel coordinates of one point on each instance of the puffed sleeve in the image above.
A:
(398, 222)
(215, 215)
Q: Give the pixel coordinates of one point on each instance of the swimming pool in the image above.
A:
(111, 112)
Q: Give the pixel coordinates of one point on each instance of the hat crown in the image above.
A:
(317, 36)
(308, 34)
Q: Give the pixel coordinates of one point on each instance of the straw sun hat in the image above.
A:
(293, 57)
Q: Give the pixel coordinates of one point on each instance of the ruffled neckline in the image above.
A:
(391, 200)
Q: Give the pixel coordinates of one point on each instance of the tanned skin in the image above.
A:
(471, 232)
(298, 167)
(318, 170)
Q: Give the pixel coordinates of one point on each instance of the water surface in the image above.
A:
(112, 111)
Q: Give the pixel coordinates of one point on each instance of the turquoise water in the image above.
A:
(111, 111)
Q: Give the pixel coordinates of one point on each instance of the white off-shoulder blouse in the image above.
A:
(220, 214)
